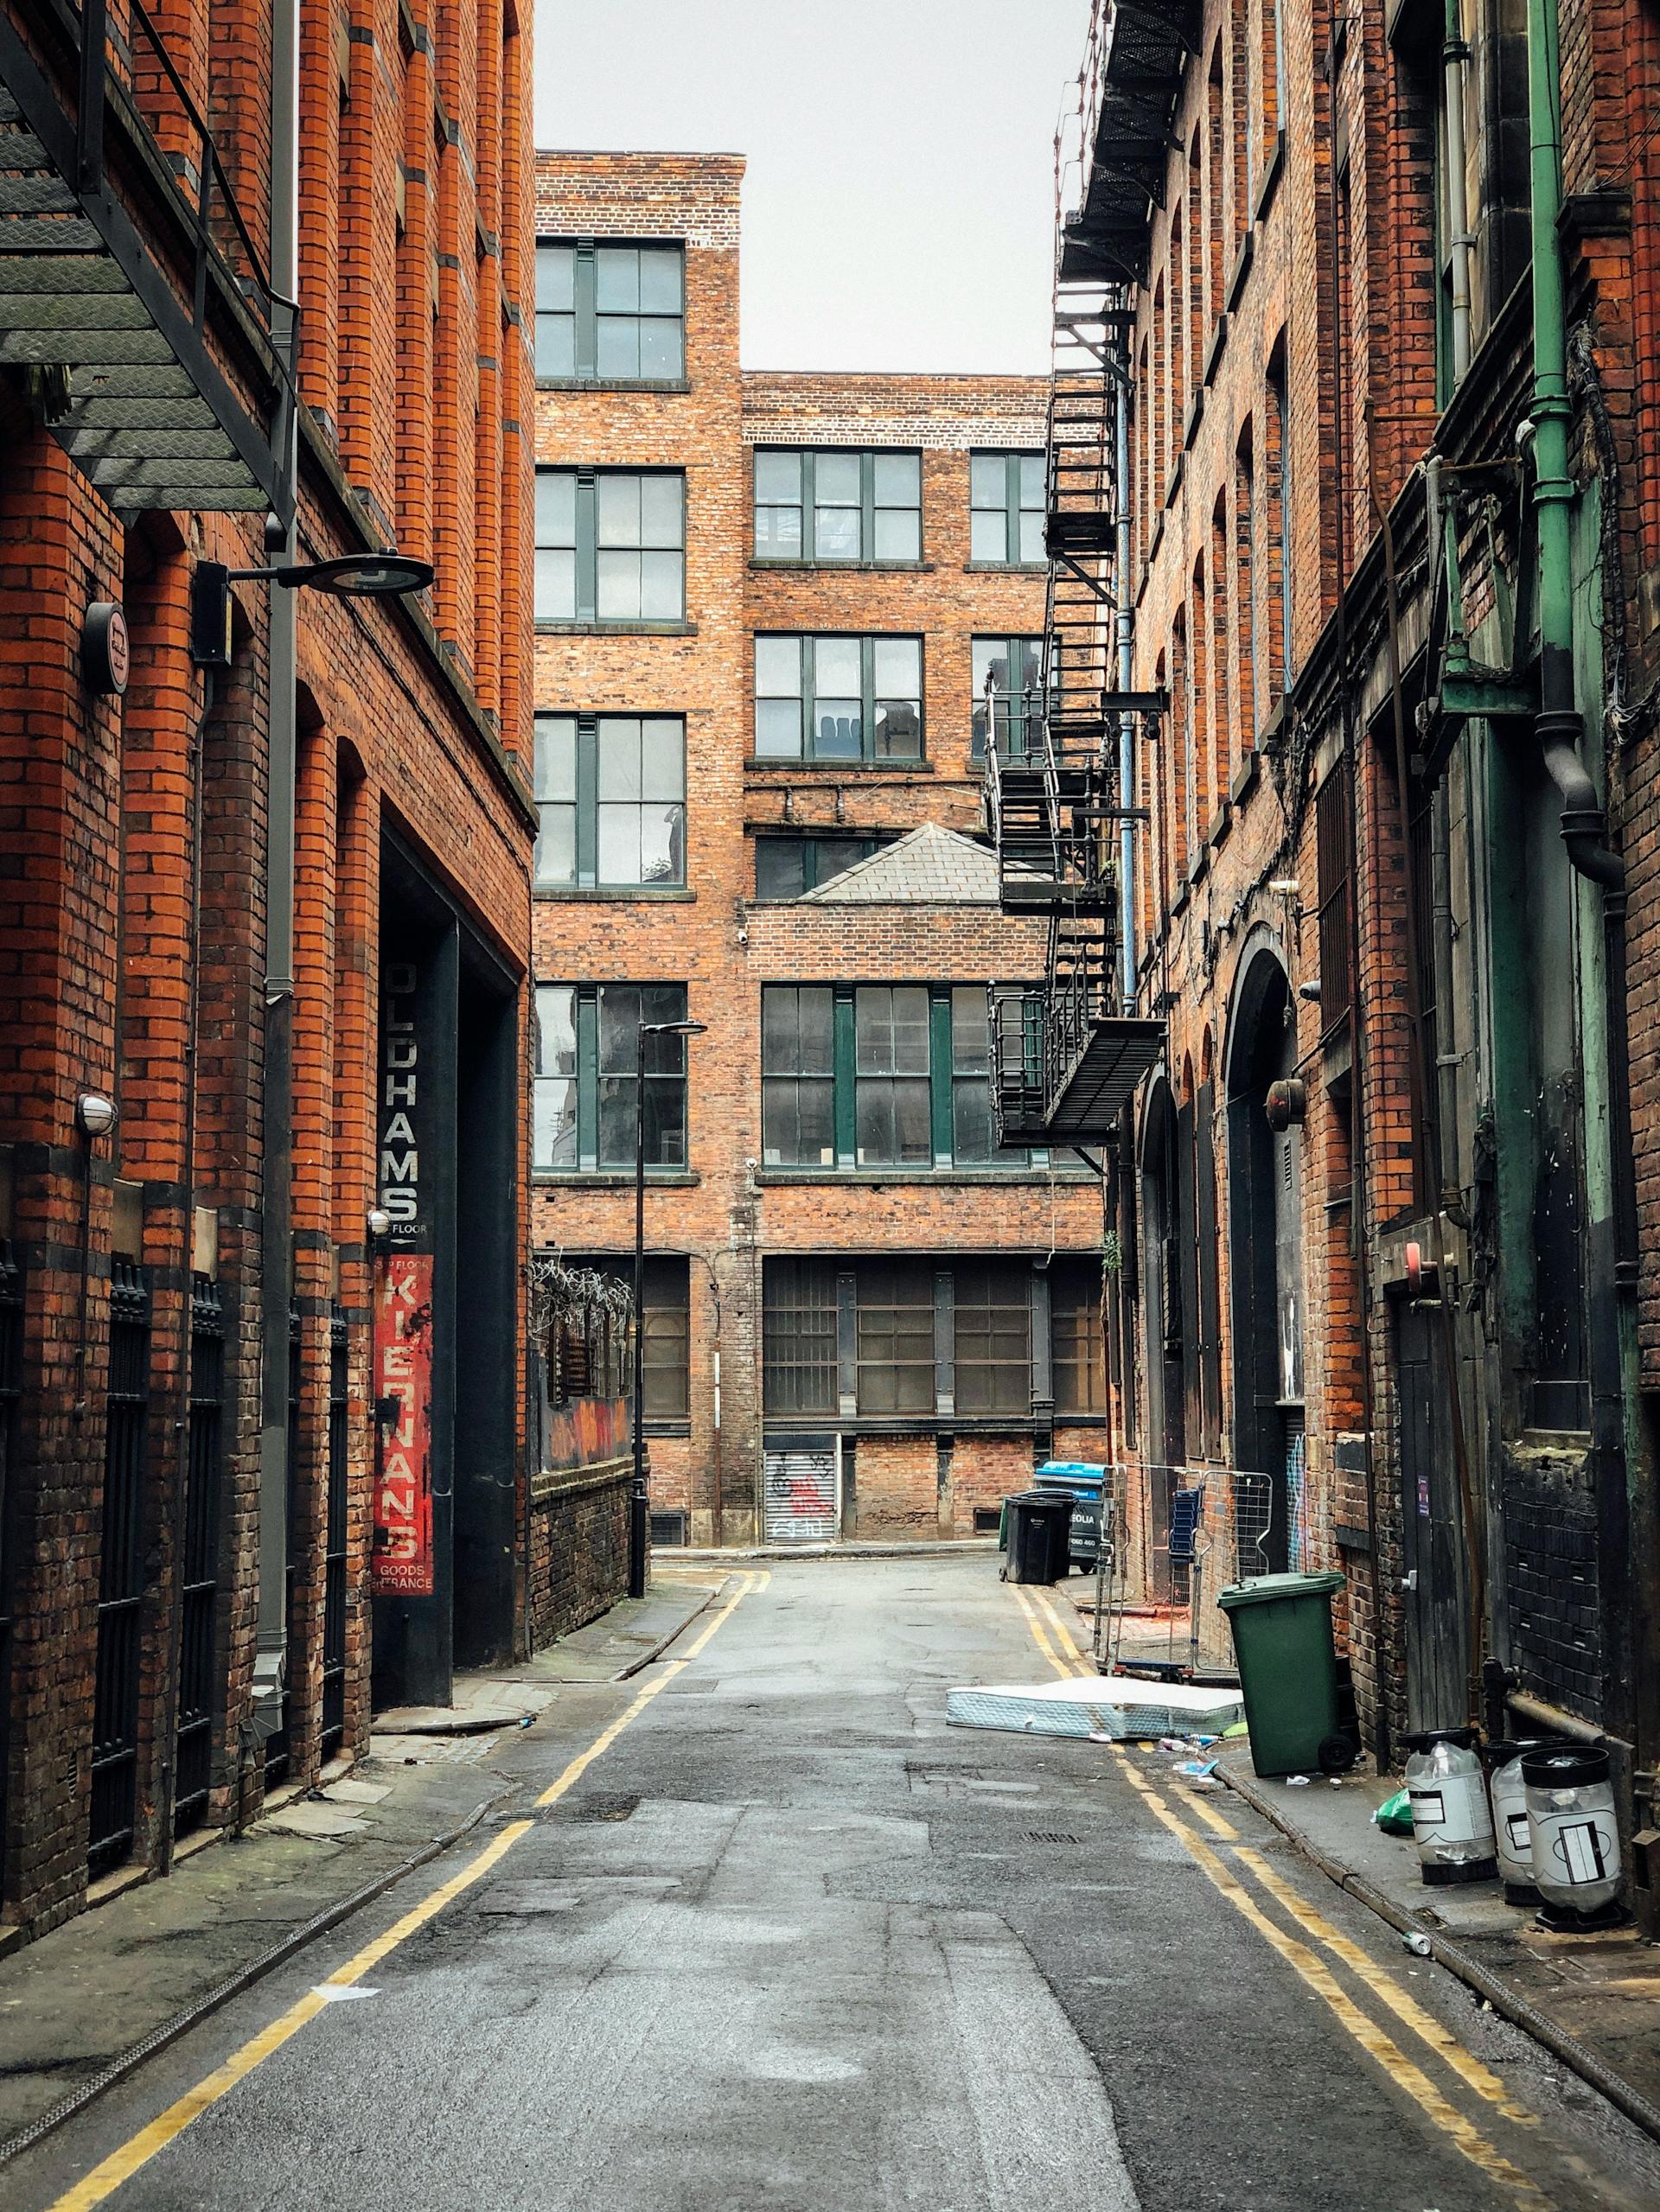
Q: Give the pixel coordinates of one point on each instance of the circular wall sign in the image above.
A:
(105, 659)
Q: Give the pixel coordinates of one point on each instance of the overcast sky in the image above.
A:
(899, 201)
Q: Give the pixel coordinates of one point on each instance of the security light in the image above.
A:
(95, 1114)
(358, 576)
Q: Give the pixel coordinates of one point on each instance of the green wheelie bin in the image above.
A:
(1287, 1667)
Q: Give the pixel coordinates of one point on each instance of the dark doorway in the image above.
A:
(1432, 1555)
(1265, 1186)
(1163, 1309)
(447, 1359)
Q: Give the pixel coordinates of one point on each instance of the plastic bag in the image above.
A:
(1394, 1815)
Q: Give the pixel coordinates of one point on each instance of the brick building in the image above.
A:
(192, 1471)
(1394, 892)
(766, 606)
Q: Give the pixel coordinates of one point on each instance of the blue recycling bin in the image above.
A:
(1086, 1485)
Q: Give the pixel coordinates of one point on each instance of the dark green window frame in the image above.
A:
(804, 495)
(786, 867)
(861, 1076)
(888, 724)
(1017, 663)
(611, 310)
(583, 1103)
(922, 1336)
(604, 784)
(1009, 486)
(586, 561)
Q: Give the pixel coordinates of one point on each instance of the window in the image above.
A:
(1075, 1336)
(878, 1076)
(583, 1105)
(973, 1134)
(1005, 501)
(1015, 667)
(839, 698)
(610, 789)
(894, 1337)
(611, 545)
(817, 506)
(785, 867)
(798, 1121)
(993, 1338)
(892, 1106)
(666, 1357)
(798, 1335)
(611, 314)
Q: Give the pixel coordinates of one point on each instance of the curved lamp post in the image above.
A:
(640, 1497)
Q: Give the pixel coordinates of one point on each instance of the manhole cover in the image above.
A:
(1050, 1836)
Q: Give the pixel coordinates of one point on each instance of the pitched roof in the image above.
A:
(930, 866)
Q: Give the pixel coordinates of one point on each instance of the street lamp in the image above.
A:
(640, 1498)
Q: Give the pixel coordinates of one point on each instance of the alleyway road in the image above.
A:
(785, 1939)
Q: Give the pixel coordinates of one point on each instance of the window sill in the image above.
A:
(644, 892)
(1242, 269)
(1270, 176)
(842, 568)
(1195, 416)
(550, 626)
(754, 763)
(612, 1178)
(1245, 781)
(1175, 483)
(978, 1178)
(1005, 568)
(928, 1424)
(1221, 823)
(1215, 351)
(613, 383)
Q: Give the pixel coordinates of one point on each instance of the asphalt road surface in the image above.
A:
(774, 1935)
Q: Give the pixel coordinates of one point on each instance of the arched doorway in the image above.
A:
(1265, 1243)
(1161, 1292)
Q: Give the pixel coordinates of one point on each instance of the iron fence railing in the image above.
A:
(121, 1571)
(200, 1674)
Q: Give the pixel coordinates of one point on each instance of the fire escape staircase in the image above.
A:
(131, 289)
(1066, 1055)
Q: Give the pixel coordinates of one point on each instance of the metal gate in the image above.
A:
(279, 1749)
(333, 1555)
(121, 1571)
(11, 1378)
(803, 1492)
(199, 1676)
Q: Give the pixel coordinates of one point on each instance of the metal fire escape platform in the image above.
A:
(1068, 1054)
(121, 244)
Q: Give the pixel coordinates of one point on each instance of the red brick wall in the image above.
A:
(713, 936)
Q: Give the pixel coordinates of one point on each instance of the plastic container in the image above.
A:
(1040, 1523)
(1512, 1840)
(1085, 1483)
(1574, 1834)
(1287, 1666)
(1452, 1821)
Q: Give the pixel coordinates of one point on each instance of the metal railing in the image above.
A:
(1179, 1534)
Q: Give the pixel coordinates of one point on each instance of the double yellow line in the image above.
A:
(1057, 1642)
(105, 2178)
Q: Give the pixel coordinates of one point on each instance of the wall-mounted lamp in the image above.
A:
(379, 1225)
(95, 1115)
(387, 575)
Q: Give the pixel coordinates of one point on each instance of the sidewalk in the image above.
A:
(82, 2006)
(1592, 2000)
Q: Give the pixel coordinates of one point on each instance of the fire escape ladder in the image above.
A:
(1066, 1056)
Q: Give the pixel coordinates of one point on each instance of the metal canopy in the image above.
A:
(142, 403)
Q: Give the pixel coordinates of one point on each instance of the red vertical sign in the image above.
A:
(401, 1565)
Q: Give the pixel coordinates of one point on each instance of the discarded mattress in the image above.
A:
(1115, 1705)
